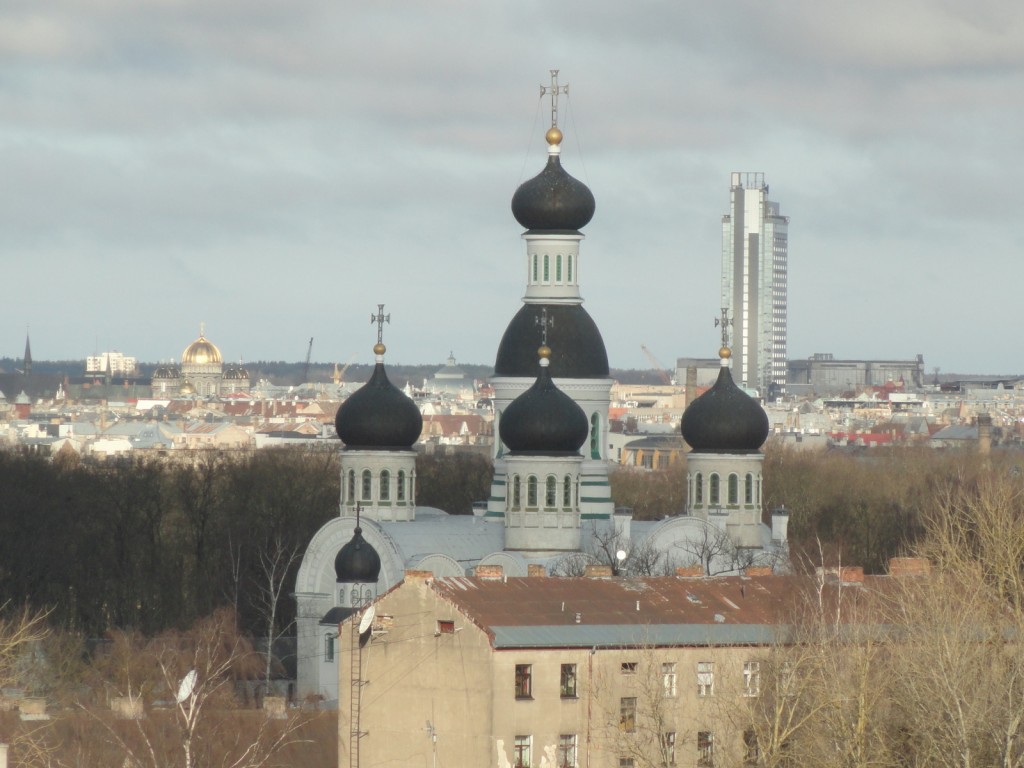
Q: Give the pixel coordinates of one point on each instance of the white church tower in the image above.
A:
(553, 207)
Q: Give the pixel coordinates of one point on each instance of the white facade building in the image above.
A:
(755, 246)
(114, 362)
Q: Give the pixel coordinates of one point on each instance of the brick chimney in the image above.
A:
(490, 572)
(598, 571)
(690, 571)
(534, 570)
(984, 433)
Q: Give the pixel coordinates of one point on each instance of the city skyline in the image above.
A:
(276, 171)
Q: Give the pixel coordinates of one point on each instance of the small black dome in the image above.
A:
(553, 200)
(725, 419)
(581, 352)
(378, 415)
(543, 421)
(357, 561)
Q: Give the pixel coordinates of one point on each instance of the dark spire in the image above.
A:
(28, 356)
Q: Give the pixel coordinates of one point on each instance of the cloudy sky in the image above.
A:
(276, 168)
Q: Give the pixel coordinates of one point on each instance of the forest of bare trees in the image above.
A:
(172, 567)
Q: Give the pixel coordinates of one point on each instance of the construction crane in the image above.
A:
(662, 373)
(309, 354)
(339, 376)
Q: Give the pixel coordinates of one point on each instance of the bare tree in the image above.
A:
(275, 572)
(21, 632)
(191, 676)
(711, 549)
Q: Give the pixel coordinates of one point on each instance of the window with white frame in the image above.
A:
(705, 678)
(668, 678)
(521, 756)
(329, 647)
(751, 678)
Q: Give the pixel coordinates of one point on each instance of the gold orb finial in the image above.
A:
(553, 136)
(725, 353)
(544, 353)
(379, 348)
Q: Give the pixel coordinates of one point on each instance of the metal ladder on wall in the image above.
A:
(355, 695)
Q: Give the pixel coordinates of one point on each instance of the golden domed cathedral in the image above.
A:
(201, 373)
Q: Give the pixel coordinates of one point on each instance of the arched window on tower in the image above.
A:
(531, 492)
(351, 490)
(517, 493)
(367, 485)
(558, 268)
(595, 436)
(713, 490)
(547, 276)
(748, 489)
(567, 492)
(385, 486)
(535, 267)
(734, 489)
(568, 273)
(400, 487)
(551, 492)
(698, 490)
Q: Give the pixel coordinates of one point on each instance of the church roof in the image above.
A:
(543, 420)
(378, 416)
(571, 331)
(202, 351)
(725, 419)
(357, 561)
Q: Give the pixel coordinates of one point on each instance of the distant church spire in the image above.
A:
(28, 355)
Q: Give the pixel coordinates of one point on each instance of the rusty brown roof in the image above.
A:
(587, 611)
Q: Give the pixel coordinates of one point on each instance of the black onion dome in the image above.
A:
(553, 200)
(543, 421)
(357, 561)
(725, 419)
(581, 352)
(378, 415)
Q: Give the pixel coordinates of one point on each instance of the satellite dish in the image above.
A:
(367, 620)
(620, 555)
(187, 685)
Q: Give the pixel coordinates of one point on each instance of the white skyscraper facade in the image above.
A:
(755, 245)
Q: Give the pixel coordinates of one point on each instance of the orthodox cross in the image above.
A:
(725, 322)
(554, 89)
(380, 318)
(544, 322)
